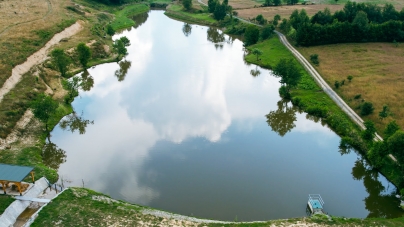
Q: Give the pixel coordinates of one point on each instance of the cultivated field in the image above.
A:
(377, 70)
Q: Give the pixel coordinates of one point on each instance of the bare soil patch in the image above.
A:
(377, 75)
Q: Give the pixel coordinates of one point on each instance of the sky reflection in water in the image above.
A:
(181, 125)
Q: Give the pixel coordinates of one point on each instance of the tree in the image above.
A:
(60, 60)
(251, 35)
(84, 53)
(361, 20)
(384, 113)
(120, 46)
(260, 19)
(43, 108)
(367, 108)
(395, 144)
(390, 129)
(268, 2)
(187, 4)
(110, 30)
(257, 52)
(288, 71)
(350, 78)
(72, 87)
(277, 2)
(369, 133)
(212, 5)
(267, 31)
(378, 153)
(220, 11)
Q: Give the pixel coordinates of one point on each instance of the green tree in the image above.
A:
(377, 154)
(384, 113)
(361, 20)
(251, 35)
(367, 108)
(72, 87)
(396, 144)
(43, 108)
(390, 129)
(53, 156)
(267, 31)
(369, 133)
(268, 2)
(212, 5)
(289, 73)
(220, 11)
(60, 60)
(120, 46)
(257, 52)
(187, 4)
(260, 19)
(84, 53)
(350, 78)
(277, 2)
(121, 73)
(110, 30)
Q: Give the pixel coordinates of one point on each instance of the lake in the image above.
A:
(183, 124)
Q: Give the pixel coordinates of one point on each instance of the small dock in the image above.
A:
(316, 204)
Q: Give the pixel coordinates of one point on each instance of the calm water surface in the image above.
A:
(184, 125)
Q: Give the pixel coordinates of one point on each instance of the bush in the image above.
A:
(284, 92)
(337, 84)
(350, 78)
(267, 32)
(314, 59)
(317, 111)
(367, 108)
(358, 96)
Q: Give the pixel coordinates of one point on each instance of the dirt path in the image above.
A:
(36, 58)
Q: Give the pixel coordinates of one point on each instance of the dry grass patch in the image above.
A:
(284, 11)
(377, 75)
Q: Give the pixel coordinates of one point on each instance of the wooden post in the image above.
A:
(3, 184)
(32, 176)
(18, 186)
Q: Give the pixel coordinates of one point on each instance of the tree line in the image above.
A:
(356, 22)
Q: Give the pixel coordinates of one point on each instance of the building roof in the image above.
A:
(14, 173)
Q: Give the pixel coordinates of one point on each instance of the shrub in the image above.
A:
(314, 59)
(350, 78)
(358, 96)
(367, 108)
(337, 84)
(317, 111)
(284, 92)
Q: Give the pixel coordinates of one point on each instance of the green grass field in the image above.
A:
(122, 19)
(5, 201)
(177, 11)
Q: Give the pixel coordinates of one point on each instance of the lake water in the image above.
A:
(183, 124)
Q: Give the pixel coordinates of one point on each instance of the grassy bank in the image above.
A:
(195, 16)
(83, 207)
(122, 19)
(5, 201)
